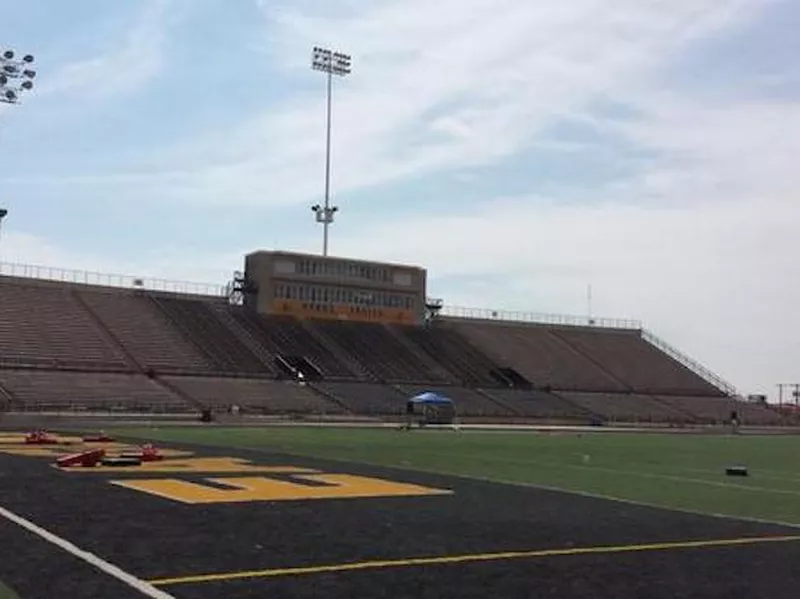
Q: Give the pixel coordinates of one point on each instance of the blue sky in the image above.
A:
(520, 150)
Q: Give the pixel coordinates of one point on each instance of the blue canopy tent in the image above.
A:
(432, 399)
(432, 408)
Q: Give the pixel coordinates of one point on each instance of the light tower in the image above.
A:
(16, 76)
(331, 63)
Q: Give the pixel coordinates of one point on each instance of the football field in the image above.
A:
(309, 512)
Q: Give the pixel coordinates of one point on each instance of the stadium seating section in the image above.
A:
(73, 347)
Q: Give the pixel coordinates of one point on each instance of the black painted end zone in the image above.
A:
(152, 537)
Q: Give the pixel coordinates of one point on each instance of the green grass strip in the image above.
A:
(7, 593)
(685, 472)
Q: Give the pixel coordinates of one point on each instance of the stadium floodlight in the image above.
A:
(331, 63)
(16, 76)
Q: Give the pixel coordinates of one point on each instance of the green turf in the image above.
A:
(676, 471)
(6, 593)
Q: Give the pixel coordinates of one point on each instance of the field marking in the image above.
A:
(637, 473)
(672, 477)
(144, 587)
(255, 488)
(469, 558)
(545, 487)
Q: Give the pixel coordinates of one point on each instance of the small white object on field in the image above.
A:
(586, 458)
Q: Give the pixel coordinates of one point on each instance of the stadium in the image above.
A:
(318, 337)
(335, 425)
(163, 439)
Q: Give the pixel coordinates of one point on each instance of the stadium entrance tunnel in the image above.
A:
(508, 377)
(298, 368)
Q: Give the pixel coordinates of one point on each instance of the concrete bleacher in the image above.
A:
(626, 407)
(368, 399)
(252, 338)
(47, 327)
(262, 396)
(539, 404)
(146, 332)
(538, 355)
(717, 410)
(634, 361)
(465, 362)
(105, 348)
(200, 323)
(381, 353)
(62, 390)
(288, 336)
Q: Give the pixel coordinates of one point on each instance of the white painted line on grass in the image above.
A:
(544, 487)
(145, 588)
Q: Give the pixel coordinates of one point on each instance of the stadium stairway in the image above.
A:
(44, 327)
(436, 365)
(257, 345)
(165, 382)
(290, 338)
(538, 404)
(351, 361)
(145, 332)
(627, 357)
(625, 407)
(201, 325)
(381, 353)
(536, 354)
(717, 410)
(129, 357)
(465, 363)
(255, 395)
(619, 383)
(322, 392)
(364, 399)
(254, 329)
(7, 399)
(688, 415)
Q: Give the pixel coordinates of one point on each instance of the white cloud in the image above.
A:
(436, 86)
(701, 247)
(124, 67)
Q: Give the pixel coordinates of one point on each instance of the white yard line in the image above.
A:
(145, 588)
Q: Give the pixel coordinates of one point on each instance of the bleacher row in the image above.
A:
(66, 346)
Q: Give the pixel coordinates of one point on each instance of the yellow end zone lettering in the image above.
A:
(243, 489)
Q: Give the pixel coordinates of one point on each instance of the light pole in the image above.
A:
(331, 63)
(16, 76)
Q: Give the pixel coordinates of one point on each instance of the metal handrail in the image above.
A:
(539, 318)
(83, 277)
(690, 363)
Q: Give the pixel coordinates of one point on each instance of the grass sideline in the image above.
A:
(674, 471)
